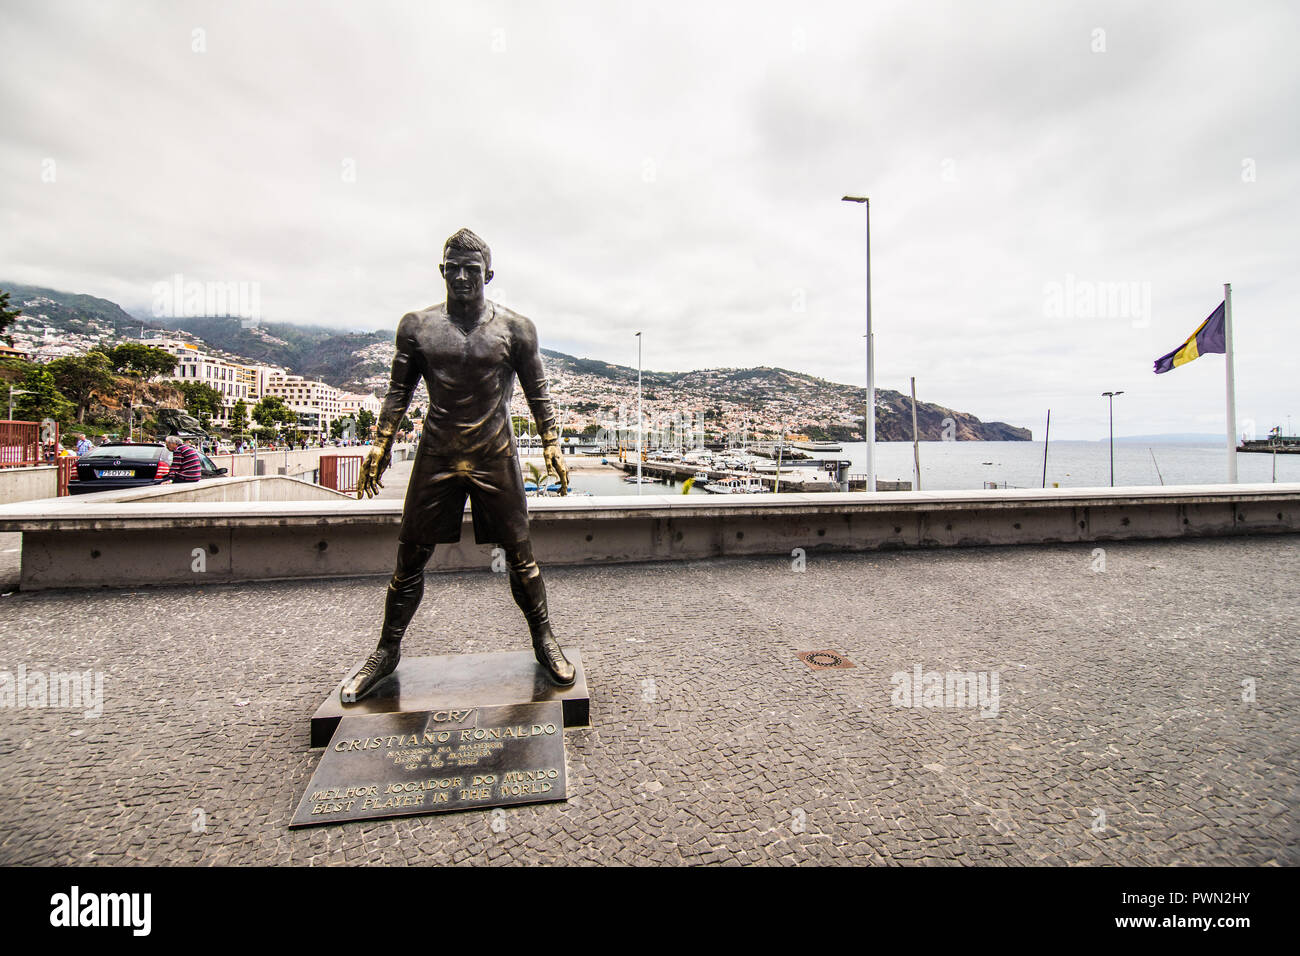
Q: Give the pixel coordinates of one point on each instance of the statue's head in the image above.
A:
(466, 265)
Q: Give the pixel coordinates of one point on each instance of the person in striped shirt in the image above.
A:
(185, 460)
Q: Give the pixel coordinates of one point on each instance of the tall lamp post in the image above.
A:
(12, 393)
(638, 413)
(869, 419)
(1111, 396)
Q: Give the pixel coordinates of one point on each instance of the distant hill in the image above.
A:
(360, 361)
(303, 349)
(68, 312)
(784, 393)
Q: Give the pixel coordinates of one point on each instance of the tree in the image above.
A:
(143, 359)
(202, 401)
(271, 412)
(365, 422)
(239, 418)
(339, 426)
(79, 377)
(7, 316)
(43, 399)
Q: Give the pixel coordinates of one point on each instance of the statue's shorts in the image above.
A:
(435, 500)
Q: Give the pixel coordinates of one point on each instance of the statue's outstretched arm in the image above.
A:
(528, 366)
(401, 386)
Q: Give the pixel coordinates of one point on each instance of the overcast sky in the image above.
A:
(677, 168)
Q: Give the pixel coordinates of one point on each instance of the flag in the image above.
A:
(1208, 337)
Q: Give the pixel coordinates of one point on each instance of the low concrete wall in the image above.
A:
(28, 483)
(270, 488)
(81, 543)
(293, 462)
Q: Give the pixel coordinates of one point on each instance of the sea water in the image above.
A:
(963, 465)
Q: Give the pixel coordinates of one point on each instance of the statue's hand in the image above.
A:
(374, 465)
(555, 465)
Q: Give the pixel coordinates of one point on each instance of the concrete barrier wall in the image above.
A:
(296, 462)
(29, 483)
(85, 544)
(272, 488)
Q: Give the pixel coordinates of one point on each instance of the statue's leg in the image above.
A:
(404, 593)
(530, 594)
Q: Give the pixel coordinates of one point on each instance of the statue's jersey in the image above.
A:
(470, 375)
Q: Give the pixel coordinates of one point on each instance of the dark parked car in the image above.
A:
(114, 466)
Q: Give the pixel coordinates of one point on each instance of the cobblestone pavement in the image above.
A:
(1121, 734)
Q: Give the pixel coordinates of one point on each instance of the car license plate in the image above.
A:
(115, 473)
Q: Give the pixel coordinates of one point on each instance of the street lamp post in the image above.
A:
(638, 413)
(869, 419)
(12, 393)
(1111, 396)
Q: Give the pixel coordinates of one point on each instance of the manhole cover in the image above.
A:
(824, 660)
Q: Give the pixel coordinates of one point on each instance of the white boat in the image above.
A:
(741, 462)
(737, 486)
(530, 446)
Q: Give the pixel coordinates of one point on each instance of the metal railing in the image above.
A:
(20, 444)
(67, 471)
(340, 472)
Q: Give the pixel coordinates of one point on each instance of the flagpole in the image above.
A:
(1232, 395)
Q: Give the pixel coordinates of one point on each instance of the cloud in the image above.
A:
(677, 169)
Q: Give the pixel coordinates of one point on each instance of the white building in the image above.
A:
(259, 378)
(195, 365)
(315, 403)
(350, 405)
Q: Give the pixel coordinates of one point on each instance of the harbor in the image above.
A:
(945, 466)
(1275, 444)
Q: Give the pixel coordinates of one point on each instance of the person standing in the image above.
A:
(185, 460)
(83, 445)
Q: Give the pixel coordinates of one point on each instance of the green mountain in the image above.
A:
(779, 394)
(360, 360)
(66, 312)
(307, 350)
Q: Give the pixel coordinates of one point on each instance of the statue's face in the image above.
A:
(465, 275)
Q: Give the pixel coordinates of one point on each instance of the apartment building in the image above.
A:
(195, 365)
(316, 404)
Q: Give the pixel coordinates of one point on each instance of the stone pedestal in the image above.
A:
(460, 681)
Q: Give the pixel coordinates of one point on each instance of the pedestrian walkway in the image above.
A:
(1145, 711)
